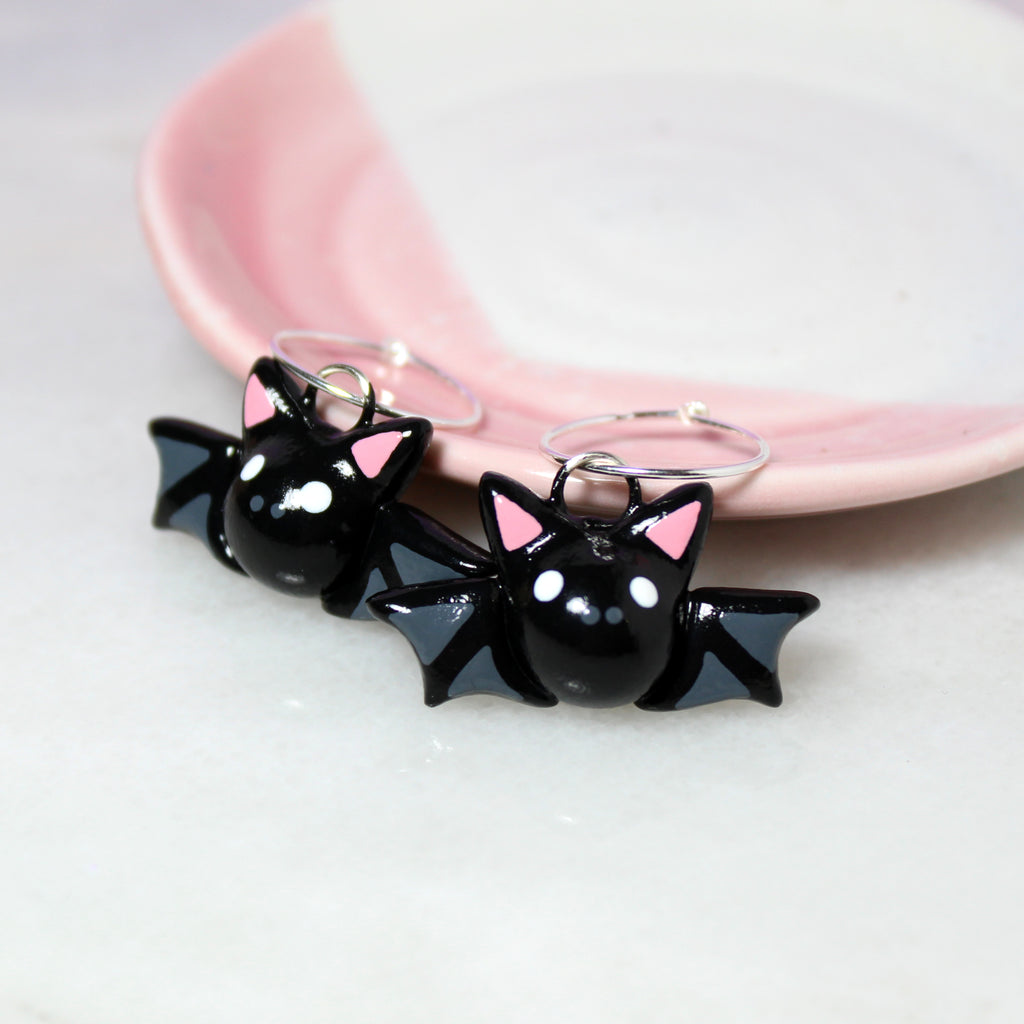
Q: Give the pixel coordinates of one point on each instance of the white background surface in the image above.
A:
(218, 805)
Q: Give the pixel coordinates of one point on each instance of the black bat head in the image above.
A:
(592, 605)
(299, 514)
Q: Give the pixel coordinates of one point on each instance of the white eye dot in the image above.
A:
(643, 591)
(252, 467)
(548, 585)
(315, 496)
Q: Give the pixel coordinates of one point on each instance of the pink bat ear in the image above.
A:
(672, 533)
(372, 453)
(257, 406)
(516, 526)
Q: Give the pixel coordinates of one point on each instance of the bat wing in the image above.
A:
(457, 630)
(728, 647)
(405, 548)
(197, 465)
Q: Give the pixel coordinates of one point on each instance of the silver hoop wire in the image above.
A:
(394, 352)
(690, 413)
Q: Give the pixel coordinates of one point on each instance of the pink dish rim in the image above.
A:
(829, 453)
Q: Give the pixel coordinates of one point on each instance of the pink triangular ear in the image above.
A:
(372, 453)
(257, 406)
(672, 533)
(516, 526)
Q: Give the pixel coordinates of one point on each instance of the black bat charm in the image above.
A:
(305, 507)
(593, 611)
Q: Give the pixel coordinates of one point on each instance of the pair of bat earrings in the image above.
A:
(582, 609)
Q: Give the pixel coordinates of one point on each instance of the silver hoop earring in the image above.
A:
(598, 611)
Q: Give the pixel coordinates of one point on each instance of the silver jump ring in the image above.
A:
(368, 401)
(595, 462)
(690, 413)
(394, 352)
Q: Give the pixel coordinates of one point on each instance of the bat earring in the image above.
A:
(596, 611)
(306, 507)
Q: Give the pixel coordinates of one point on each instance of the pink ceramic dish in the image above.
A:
(272, 199)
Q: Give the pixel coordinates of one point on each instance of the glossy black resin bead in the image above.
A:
(303, 506)
(594, 611)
